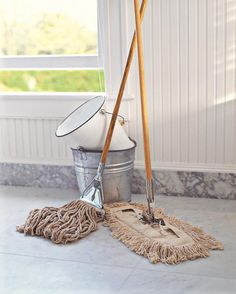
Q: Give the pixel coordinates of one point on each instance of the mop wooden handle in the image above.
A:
(121, 89)
(143, 94)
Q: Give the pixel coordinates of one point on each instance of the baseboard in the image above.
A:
(204, 184)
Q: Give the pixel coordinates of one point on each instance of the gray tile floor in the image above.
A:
(100, 264)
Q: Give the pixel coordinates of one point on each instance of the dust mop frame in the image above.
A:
(154, 249)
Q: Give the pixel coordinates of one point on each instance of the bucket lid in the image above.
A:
(80, 116)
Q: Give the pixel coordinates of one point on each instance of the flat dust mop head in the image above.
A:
(172, 241)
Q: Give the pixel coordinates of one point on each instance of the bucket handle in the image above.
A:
(123, 120)
(82, 153)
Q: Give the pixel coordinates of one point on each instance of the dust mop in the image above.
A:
(79, 218)
(144, 229)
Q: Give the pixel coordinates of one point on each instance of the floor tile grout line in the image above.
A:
(126, 279)
(182, 273)
(132, 268)
(174, 272)
(129, 275)
(68, 260)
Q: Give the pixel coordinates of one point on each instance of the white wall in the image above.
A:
(190, 56)
(190, 71)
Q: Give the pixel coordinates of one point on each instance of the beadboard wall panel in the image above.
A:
(31, 138)
(190, 59)
(190, 64)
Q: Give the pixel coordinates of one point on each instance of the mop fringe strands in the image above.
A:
(62, 225)
(172, 242)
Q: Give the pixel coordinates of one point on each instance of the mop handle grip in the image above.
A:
(143, 94)
(121, 89)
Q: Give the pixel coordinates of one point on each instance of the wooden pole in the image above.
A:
(143, 94)
(122, 87)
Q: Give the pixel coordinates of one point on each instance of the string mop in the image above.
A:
(145, 229)
(78, 218)
(62, 225)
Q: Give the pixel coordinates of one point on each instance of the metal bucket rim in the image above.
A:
(79, 148)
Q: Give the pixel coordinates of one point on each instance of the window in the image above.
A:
(50, 46)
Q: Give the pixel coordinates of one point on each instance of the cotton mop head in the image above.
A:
(62, 225)
(170, 241)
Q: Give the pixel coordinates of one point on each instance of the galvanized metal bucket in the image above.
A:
(117, 175)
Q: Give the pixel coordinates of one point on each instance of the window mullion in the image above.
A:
(50, 62)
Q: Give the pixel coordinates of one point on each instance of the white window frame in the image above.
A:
(113, 30)
(50, 62)
(55, 62)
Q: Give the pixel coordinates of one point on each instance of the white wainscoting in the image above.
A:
(27, 130)
(31, 140)
(190, 59)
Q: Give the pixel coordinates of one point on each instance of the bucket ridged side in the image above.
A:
(117, 175)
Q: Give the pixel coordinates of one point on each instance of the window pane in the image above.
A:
(45, 27)
(52, 81)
